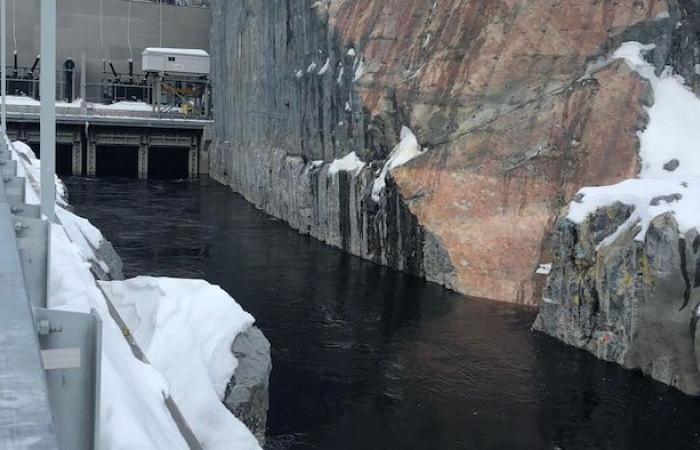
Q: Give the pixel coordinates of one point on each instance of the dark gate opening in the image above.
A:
(117, 161)
(64, 160)
(168, 163)
(36, 148)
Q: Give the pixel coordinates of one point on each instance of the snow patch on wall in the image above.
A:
(348, 163)
(405, 151)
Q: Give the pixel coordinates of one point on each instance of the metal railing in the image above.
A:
(50, 359)
(180, 98)
(24, 82)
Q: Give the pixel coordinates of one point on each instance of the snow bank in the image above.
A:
(190, 343)
(348, 163)
(405, 151)
(192, 327)
(669, 179)
(132, 408)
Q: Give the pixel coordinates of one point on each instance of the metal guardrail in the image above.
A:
(49, 360)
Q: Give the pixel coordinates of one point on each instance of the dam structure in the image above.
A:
(115, 117)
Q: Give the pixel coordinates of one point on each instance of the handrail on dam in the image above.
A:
(49, 359)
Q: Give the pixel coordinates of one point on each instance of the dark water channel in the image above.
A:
(367, 358)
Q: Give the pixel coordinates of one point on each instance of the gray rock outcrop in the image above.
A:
(631, 302)
(247, 396)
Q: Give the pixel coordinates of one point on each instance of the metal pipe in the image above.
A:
(16, 65)
(3, 70)
(36, 63)
(83, 79)
(47, 90)
(114, 71)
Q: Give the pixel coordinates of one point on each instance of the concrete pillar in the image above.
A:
(193, 158)
(47, 124)
(143, 161)
(83, 84)
(192, 163)
(156, 92)
(77, 155)
(91, 154)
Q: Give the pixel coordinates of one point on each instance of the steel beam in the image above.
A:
(3, 69)
(47, 90)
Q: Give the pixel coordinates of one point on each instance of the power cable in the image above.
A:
(128, 32)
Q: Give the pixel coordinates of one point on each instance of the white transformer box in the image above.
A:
(176, 61)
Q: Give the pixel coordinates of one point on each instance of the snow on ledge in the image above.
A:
(405, 151)
(649, 197)
(544, 269)
(669, 179)
(348, 163)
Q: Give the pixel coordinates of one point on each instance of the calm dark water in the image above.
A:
(367, 358)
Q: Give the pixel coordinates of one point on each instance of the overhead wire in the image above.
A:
(14, 24)
(160, 23)
(102, 41)
(128, 33)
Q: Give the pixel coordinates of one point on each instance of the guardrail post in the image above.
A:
(71, 350)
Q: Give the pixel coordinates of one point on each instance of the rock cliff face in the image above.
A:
(501, 93)
(630, 302)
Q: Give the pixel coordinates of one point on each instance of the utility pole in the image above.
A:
(47, 91)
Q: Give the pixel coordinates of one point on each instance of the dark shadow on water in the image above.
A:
(368, 358)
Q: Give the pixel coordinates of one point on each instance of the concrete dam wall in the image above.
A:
(499, 93)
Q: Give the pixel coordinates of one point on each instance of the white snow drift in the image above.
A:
(348, 163)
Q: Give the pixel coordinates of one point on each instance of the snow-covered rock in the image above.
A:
(187, 329)
(623, 283)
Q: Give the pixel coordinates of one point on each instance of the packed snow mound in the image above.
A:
(405, 151)
(669, 179)
(132, 408)
(187, 328)
(348, 163)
